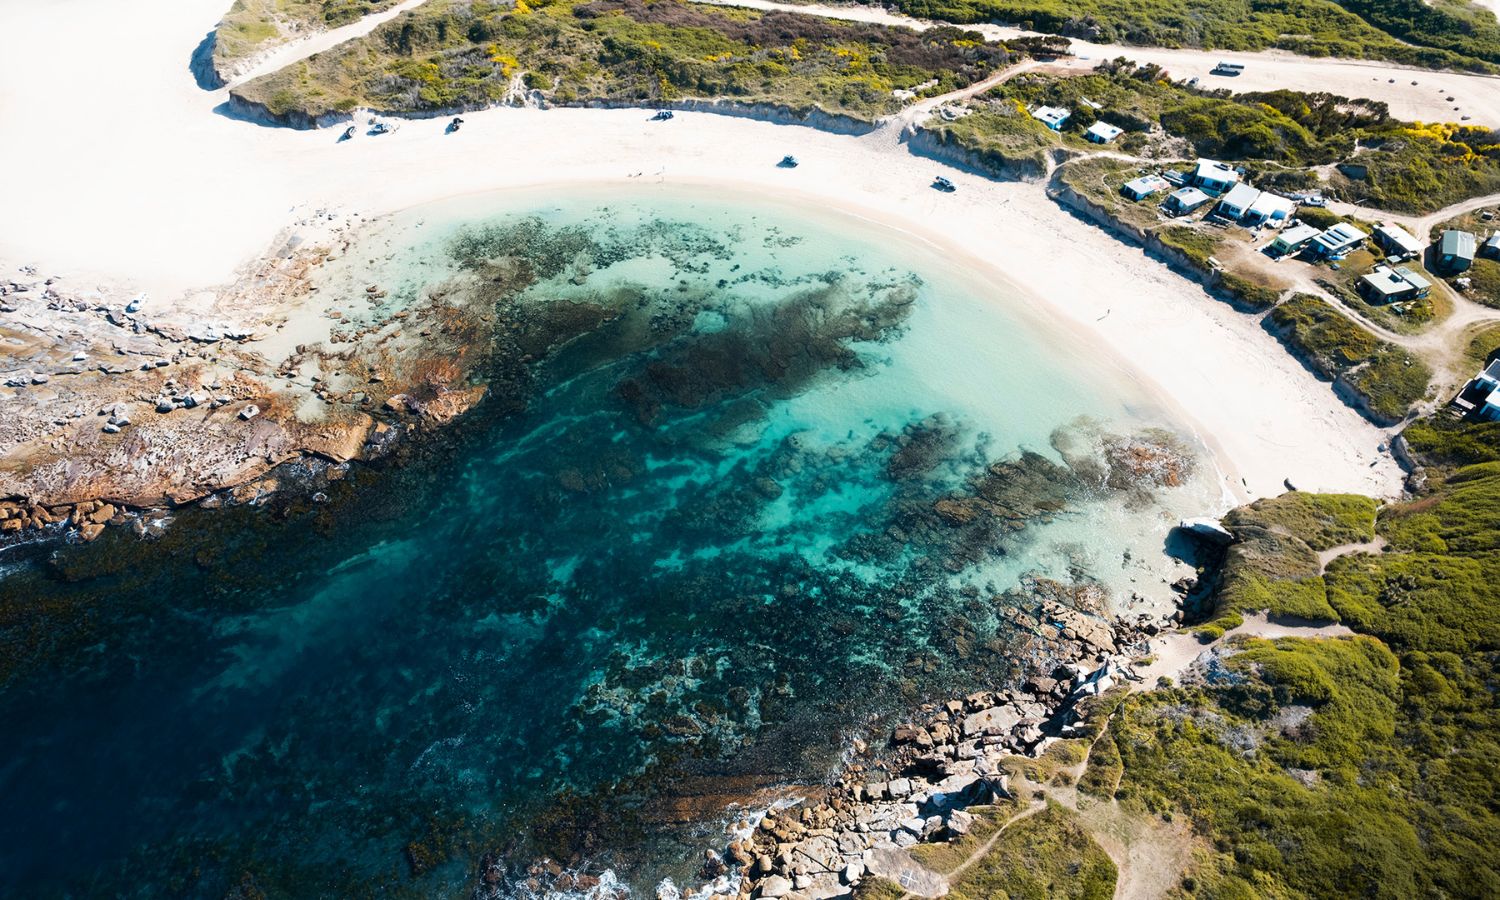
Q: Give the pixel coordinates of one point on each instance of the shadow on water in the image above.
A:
(201, 63)
(1182, 546)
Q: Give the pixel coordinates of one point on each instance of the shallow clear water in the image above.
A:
(703, 557)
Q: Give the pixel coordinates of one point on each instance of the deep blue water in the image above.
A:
(706, 548)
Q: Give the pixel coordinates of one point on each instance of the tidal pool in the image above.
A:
(786, 473)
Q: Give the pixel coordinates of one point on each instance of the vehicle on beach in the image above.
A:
(1228, 68)
(379, 128)
(942, 184)
(662, 115)
(348, 133)
(788, 162)
(453, 126)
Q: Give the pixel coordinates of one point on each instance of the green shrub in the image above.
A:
(1322, 521)
(449, 54)
(1385, 379)
(1359, 767)
(1406, 31)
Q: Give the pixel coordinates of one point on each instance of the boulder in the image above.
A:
(774, 886)
(994, 720)
(1207, 528)
(959, 822)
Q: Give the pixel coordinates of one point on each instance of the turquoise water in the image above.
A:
(704, 551)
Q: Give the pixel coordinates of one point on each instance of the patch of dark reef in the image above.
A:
(613, 596)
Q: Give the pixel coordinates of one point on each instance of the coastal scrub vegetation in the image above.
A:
(1445, 441)
(252, 26)
(1322, 521)
(1044, 855)
(1412, 32)
(1383, 379)
(1361, 766)
(450, 55)
(1483, 347)
(1286, 139)
(1273, 566)
(1001, 136)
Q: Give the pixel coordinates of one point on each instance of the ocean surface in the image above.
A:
(792, 481)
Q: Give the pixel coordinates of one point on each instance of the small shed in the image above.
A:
(1054, 117)
(1397, 242)
(1293, 239)
(1338, 240)
(1491, 247)
(1103, 132)
(1238, 201)
(1143, 187)
(1184, 200)
(1455, 251)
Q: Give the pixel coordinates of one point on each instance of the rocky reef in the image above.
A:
(588, 577)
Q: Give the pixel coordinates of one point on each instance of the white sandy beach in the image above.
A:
(115, 164)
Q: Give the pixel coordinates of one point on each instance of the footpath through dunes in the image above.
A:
(1411, 93)
(283, 55)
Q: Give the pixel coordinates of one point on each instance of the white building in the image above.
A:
(1103, 132)
(1294, 238)
(1397, 242)
(1269, 207)
(1338, 240)
(1144, 186)
(1238, 201)
(1054, 117)
(1215, 177)
(1184, 200)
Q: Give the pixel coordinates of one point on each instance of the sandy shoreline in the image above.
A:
(155, 190)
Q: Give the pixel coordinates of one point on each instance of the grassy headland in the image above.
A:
(448, 55)
(1354, 767)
